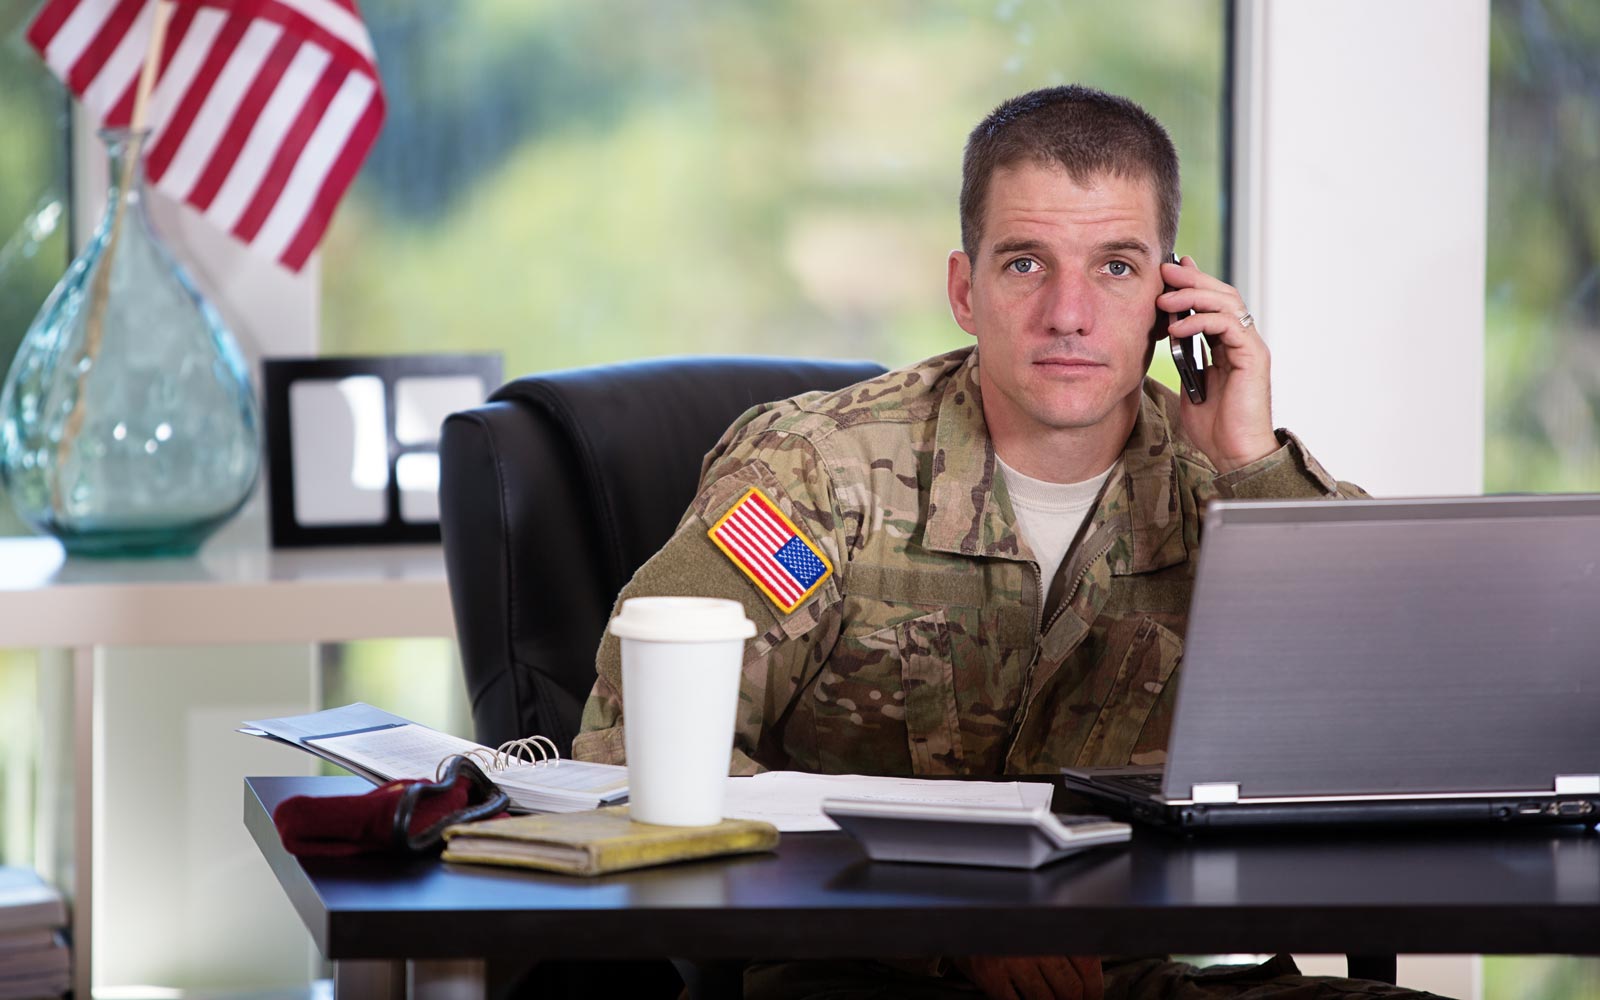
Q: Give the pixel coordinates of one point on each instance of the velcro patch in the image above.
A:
(778, 559)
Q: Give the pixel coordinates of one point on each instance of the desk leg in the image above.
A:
(460, 979)
(83, 771)
(379, 980)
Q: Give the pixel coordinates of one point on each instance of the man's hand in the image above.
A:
(1043, 977)
(1234, 425)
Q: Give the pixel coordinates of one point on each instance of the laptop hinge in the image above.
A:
(1215, 792)
(1578, 784)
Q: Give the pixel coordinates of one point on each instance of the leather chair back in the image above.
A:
(556, 490)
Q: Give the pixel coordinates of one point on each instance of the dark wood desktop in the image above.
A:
(1465, 891)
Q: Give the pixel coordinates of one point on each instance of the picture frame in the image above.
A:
(353, 443)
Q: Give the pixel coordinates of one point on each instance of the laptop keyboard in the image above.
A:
(1145, 784)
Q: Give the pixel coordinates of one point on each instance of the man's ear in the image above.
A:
(1158, 329)
(1158, 332)
(958, 285)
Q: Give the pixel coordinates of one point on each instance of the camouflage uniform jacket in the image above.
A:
(934, 647)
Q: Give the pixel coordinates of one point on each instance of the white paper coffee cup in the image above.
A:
(680, 695)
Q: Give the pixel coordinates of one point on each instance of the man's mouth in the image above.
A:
(1068, 363)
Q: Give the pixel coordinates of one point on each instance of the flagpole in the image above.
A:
(100, 291)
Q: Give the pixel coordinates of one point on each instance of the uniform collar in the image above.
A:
(1140, 501)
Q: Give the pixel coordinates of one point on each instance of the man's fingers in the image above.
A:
(1201, 300)
(1090, 974)
(1044, 977)
(1188, 275)
(1226, 330)
(1029, 980)
(1065, 978)
(990, 973)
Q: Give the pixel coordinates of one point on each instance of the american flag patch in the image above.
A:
(770, 550)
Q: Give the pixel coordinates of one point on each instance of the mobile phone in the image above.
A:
(1192, 355)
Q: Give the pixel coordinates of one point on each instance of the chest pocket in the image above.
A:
(887, 696)
(1146, 655)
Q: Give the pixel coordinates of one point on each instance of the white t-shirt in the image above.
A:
(1050, 514)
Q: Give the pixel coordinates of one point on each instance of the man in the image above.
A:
(995, 546)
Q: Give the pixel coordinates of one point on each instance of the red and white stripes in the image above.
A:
(262, 114)
(751, 532)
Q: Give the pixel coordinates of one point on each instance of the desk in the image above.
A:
(236, 590)
(1478, 891)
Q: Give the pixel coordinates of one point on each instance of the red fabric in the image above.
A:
(337, 826)
(241, 105)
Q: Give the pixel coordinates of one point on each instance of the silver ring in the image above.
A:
(1246, 321)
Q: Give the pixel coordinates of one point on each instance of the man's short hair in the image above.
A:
(1086, 132)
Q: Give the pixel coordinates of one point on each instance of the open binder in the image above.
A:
(380, 747)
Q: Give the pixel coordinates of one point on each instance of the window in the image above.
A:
(1542, 319)
(573, 184)
(1543, 313)
(33, 255)
(34, 183)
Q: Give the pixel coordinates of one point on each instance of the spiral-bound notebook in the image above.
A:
(381, 747)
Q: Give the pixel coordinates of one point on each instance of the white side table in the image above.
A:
(236, 590)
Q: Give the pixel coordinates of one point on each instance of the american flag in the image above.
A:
(262, 114)
(767, 547)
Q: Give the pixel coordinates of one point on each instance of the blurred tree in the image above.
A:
(33, 190)
(33, 255)
(573, 184)
(1543, 346)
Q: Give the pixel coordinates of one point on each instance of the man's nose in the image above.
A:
(1068, 306)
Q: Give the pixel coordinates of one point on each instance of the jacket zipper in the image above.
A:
(1038, 641)
(1066, 599)
(1038, 608)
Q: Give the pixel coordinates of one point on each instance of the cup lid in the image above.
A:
(682, 619)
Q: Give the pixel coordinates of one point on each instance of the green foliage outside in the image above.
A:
(1542, 352)
(1540, 977)
(637, 179)
(33, 254)
(33, 190)
(19, 747)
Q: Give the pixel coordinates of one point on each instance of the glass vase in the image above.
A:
(127, 422)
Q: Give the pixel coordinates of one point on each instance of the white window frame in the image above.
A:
(1361, 141)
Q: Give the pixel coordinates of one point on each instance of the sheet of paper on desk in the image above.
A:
(792, 800)
(413, 751)
(408, 751)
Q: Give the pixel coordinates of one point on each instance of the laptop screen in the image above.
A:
(1387, 647)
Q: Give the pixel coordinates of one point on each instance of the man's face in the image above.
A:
(1061, 297)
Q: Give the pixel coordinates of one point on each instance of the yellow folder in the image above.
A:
(599, 841)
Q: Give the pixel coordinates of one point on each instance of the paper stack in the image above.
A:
(34, 958)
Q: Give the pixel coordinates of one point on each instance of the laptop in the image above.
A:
(1383, 661)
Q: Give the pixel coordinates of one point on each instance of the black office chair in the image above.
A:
(551, 495)
(555, 491)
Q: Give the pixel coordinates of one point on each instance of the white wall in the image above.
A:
(1359, 221)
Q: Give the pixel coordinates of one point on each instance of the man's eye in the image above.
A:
(1119, 268)
(1024, 265)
